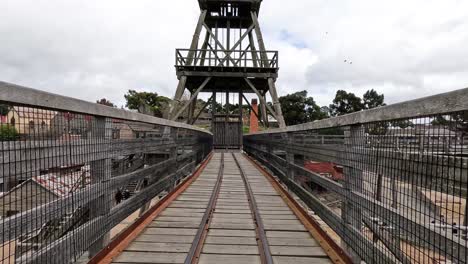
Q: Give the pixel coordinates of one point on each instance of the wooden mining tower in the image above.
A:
(231, 58)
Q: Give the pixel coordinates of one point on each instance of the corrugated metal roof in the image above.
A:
(62, 185)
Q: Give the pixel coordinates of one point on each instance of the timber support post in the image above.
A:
(353, 181)
(101, 171)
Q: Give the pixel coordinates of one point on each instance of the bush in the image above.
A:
(8, 133)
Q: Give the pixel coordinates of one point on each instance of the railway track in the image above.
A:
(230, 214)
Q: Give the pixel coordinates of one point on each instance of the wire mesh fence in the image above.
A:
(71, 181)
(390, 191)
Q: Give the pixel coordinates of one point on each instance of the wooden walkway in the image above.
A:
(232, 235)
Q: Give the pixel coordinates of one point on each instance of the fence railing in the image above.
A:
(71, 172)
(220, 58)
(390, 182)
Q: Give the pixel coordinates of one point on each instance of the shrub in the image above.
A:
(8, 133)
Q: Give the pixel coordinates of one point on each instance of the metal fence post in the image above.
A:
(101, 171)
(351, 212)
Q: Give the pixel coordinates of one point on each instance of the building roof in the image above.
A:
(325, 168)
(143, 128)
(439, 132)
(33, 113)
(401, 131)
(62, 185)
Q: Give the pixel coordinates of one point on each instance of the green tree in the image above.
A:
(345, 103)
(454, 122)
(104, 101)
(402, 123)
(372, 99)
(8, 133)
(147, 103)
(4, 109)
(217, 106)
(298, 108)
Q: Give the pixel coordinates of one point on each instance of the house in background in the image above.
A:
(204, 119)
(325, 169)
(29, 122)
(42, 189)
(122, 130)
(69, 126)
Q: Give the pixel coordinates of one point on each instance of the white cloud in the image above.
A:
(94, 49)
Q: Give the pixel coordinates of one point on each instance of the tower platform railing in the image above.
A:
(218, 59)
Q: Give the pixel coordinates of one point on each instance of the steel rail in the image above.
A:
(262, 241)
(197, 244)
(332, 249)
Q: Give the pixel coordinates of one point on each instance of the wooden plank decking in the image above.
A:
(231, 236)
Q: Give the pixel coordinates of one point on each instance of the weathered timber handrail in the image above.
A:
(390, 181)
(432, 105)
(57, 252)
(12, 93)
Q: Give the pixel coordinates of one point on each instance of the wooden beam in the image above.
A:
(196, 37)
(251, 109)
(194, 95)
(178, 95)
(262, 99)
(203, 109)
(244, 53)
(203, 52)
(249, 30)
(254, 50)
(87, 234)
(276, 103)
(261, 44)
(217, 42)
(20, 95)
(214, 52)
(34, 218)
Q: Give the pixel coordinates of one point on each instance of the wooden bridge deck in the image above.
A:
(232, 235)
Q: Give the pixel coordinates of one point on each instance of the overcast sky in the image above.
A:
(92, 49)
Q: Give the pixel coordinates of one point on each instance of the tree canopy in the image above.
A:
(347, 103)
(4, 109)
(104, 101)
(372, 99)
(298, 108)
(147, 103)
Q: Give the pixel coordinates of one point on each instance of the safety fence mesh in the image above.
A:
(70, 182)
(393, 191)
